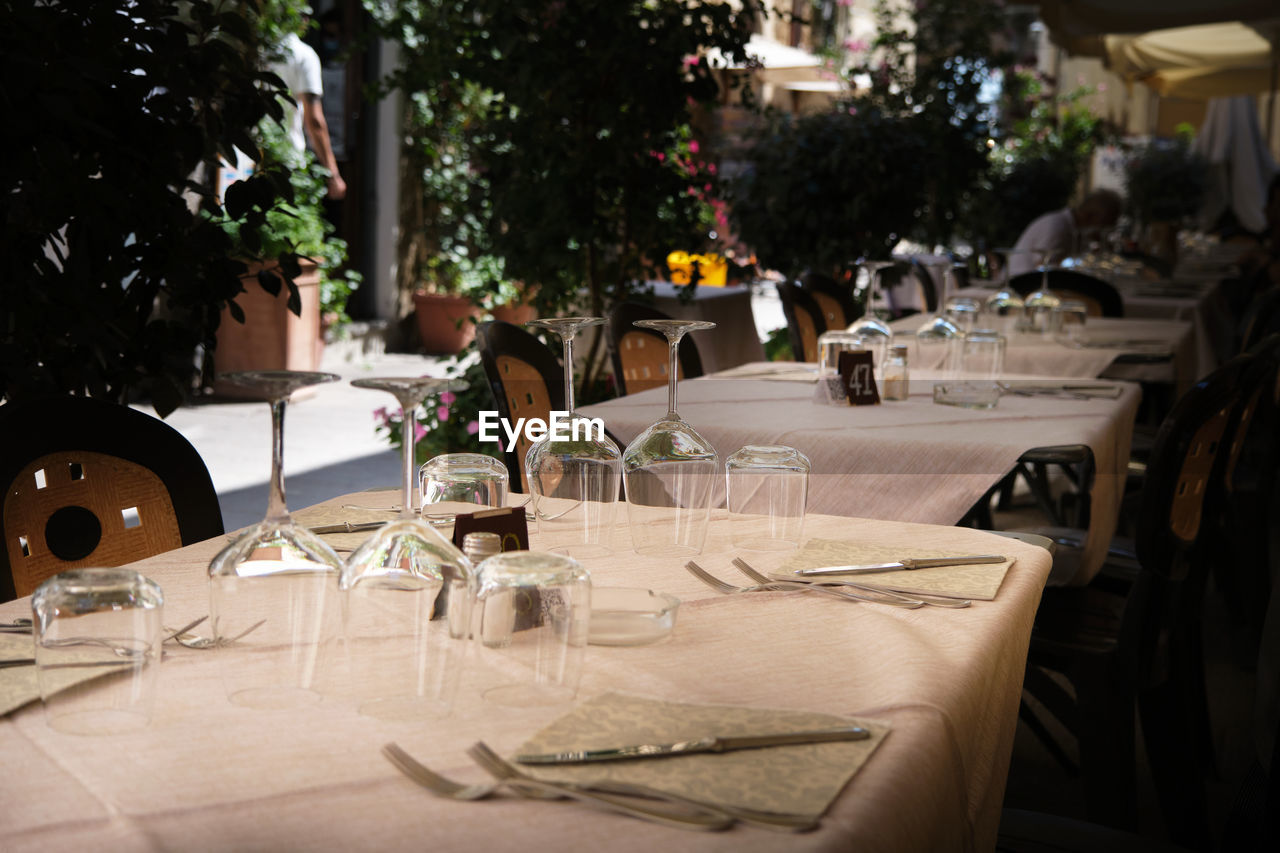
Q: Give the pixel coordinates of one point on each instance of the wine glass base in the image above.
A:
(98, 721)
(582, 550)
(529, 695)
(274, 698)
(405, 708)
(668, 549)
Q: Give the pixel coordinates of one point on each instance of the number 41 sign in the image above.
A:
(856, 372)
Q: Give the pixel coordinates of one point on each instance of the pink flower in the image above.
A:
(693, 146)
(442, 412)
(845, 3)
(856, 45)
(661, 156)
(419, 431)
(711, 168)
(448, 397)
(1102, 87)
(691, 61)
(473, 428)
(381, 415)
(853, 111)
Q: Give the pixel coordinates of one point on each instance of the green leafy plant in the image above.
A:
(823, 190)
(1166, 180)
(112, 275)
(446, 422)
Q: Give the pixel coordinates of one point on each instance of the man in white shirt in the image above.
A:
(1058, 231)
(300, 70)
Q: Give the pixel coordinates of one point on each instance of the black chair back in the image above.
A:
(838, 304)
(805, 321)
(640, 356)
(1100, 297)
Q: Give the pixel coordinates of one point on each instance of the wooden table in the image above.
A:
(210, 776)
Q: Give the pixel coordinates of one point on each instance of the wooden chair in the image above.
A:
(906, 285)
(91, 483)
(838, 304)
(1100, 298)
(1119, 645)
(641, 356)
(805, 321)
(527, 382)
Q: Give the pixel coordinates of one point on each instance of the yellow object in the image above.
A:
(712, 268)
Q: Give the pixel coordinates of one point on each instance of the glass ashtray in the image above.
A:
(630, 617)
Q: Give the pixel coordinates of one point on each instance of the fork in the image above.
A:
(934, 600)
(892, 599)
(687, 815)
(434, 782)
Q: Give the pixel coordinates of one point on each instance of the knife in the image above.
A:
(908, 563)
(347, 527)
(706, 744)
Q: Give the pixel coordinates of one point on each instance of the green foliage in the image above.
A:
(826, 189)
(1166, 180)
(777, 346)
(111, 276)
(929, 72)
(447, 422)
(552, 128)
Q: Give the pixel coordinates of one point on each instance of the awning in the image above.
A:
(1198, 62)
(1075, 24)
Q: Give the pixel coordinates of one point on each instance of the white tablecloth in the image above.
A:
(209, 776)
(908, 461)
(734, 341)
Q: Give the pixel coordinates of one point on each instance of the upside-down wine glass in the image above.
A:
(407, 597)
(939, 327)
(669, 469)
(273, 592)
(869, 325)
(1041, 304)
(574, 482)
(1004, 306)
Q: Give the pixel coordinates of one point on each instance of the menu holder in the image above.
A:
(857, 374)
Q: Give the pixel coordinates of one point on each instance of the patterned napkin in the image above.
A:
(980, 581)
(801, 780)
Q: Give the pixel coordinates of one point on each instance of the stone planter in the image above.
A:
(444, 321)
(272, 337)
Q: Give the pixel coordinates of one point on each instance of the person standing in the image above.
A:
(300, 70)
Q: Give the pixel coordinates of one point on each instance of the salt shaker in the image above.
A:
(895, 373)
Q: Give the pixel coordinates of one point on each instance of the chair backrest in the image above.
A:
(1261, 318)
(527, 381)
(92, 483)
(838, 305)
(641, 356)
(805, 321)
(1100, 298)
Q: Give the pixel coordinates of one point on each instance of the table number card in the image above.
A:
(509, 523)
(858, 376)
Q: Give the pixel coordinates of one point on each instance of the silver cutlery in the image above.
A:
(687, 747)
(17, 626)
(5, 664)
(893, 599)
(907, 564)
(934, 600)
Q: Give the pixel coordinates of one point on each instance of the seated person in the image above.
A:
(1059, 231)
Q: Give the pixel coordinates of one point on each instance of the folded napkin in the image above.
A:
(980, 581)
(797, 780)
(19, 685)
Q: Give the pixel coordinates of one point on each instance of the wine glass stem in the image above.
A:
(409, 420)
(873, 287)
(673, 366)
(276, 509)
(567, 336)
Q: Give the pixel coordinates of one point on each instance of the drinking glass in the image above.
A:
(407, 597)
(1071, 321)
(767, 487)
(981, 364)
(1005, 309)
(670, 470)
(574, 480)
(869, 325)
(273, 592)
(963, 311)
(831, 344)
(1040, 305)
(532, 616)
(97, 638)
(454, 483)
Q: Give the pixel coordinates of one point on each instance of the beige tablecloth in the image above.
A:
(908, 461)
(734, 341)
(209, 776)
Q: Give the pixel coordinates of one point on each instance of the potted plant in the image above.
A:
(283, 328)
(1165, 182)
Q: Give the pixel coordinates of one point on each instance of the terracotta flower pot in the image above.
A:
(444, 321)
(515, 314)
(272, 337)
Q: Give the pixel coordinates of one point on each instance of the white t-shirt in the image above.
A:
(300, 71)
(1054, 232)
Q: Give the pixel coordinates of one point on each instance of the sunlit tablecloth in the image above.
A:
(907, 461)
(209, 776)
